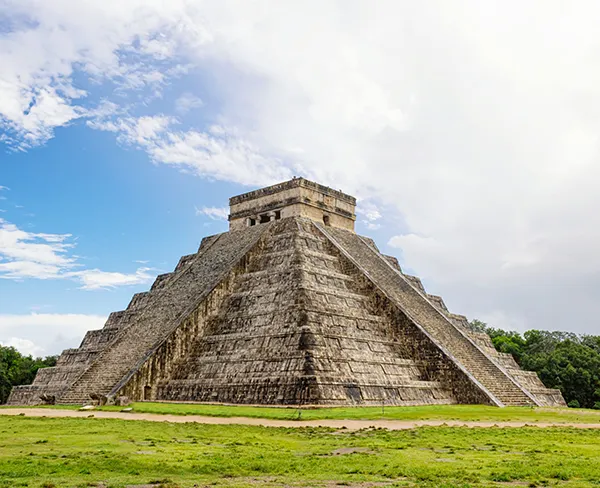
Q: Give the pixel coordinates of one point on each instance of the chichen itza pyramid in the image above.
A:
(288, 307)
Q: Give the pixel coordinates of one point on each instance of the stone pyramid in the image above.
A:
(288, 307)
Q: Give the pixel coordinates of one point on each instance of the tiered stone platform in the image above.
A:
(288, 309)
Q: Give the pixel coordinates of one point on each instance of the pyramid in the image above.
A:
(289, 307)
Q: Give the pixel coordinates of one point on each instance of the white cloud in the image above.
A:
(46, 334)
(140, 132)
(187, 102)
(24, 346)
(122, 43)
(26, 255)
(219, 152)
(475, 123)
(371, 225)
(371, 214)
(369, 210)
(4, 188)
(215, 213)
(95, 279)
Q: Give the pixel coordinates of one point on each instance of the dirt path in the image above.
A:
(336, 424)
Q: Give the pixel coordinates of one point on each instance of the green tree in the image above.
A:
(570, 366)
(511, 343)
(16, 369)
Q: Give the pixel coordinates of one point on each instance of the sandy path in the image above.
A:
(336, 424)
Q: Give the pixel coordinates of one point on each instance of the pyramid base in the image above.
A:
(302, 391)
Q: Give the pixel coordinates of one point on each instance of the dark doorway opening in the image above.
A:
(326, 220)
(147, 392)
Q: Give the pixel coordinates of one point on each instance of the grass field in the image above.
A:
(432, 412)
(47, 453)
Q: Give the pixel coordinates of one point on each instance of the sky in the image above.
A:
(468, 131)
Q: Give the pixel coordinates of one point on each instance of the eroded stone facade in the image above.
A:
(294, 310)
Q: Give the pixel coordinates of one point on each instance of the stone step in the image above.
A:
(262, 291)
(281, 270)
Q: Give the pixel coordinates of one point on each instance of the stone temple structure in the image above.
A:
(288, 307)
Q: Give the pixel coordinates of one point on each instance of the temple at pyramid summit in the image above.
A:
(289, 307)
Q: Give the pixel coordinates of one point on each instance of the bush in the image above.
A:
(574, 404)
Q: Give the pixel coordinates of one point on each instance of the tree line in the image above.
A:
(17, 369)
(562, 360)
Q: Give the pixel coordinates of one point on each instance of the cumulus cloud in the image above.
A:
(475, 123)
(27, 255)
(42, 334)
(215, 213)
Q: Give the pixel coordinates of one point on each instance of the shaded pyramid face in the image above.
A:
(297, 329)
(287, 312)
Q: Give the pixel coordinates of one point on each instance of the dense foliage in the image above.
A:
(562, 360)
(16, 369)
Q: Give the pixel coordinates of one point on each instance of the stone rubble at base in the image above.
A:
(289, 307)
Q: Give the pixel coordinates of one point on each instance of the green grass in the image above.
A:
(47, 452)
(432, 412)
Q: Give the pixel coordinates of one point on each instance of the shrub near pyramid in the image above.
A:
(289, 307)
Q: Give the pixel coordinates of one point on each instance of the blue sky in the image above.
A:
(469, 135)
